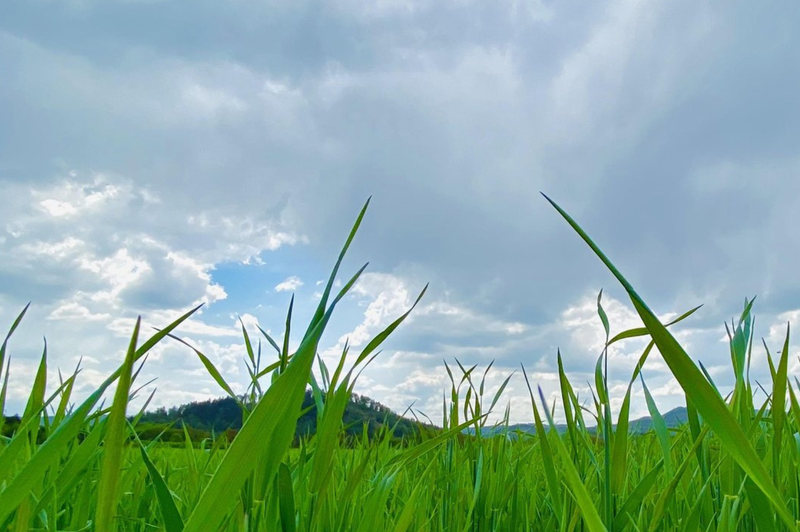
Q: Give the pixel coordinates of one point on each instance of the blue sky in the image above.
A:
(159, 154)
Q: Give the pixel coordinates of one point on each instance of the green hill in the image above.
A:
(224, 416)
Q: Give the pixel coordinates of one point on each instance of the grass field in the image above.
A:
(733, 466)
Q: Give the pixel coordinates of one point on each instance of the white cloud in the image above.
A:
(57, 208)
(290, 284)
(70, 310)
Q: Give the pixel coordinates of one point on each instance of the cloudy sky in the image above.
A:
(159, 154)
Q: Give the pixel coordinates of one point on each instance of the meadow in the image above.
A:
(733, 466)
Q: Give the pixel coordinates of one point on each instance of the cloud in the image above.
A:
(71, 310)
(290, 284)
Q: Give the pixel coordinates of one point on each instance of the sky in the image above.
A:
(155, 155)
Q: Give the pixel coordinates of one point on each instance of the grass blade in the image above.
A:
(108, 484)
(705, 398)
(170, 515)
(573, 480)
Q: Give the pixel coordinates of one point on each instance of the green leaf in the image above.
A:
(284, 355)
(705, 398)
(660, 428)
(379, 338)
(170, 515)
(286, 498)
(410, 509)
(668, 491)
(8, 336)
(401, 460)
(548, 460)
(602, 313)
(79, 461)
(762, 511)
(619, 457)
(212, 370)
(320, 312)
(114, 443)
(248, 345)
(13, 450)
(36, 397)
(642, 331)
(327, 438)
(573, 479)
(269, 429)
(778, 410)
(634, 500)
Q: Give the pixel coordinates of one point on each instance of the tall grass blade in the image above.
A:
(286, 499)
(114, 443)
(573, 480)
(170, 515)
(270, 427)
(8, 336)
(706, 399)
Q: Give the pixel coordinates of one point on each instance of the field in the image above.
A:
(733, 466)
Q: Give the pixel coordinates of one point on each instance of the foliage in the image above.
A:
(223, 416)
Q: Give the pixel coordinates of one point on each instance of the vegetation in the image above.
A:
(205, 419)
(732, 466)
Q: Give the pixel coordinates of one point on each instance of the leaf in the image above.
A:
(634, 500)
(286, 498)
(660, 428)
(573, 480)
(247, 344)
(8, 336)
(285, 352)
(668, 491)
(53, 447)
(269, 429)
(323, 301)
(619, 457)
(706, 399)
(379, 338)
(36, 397)
(778, 410)
(642, 331)
(212, 370)
(170, 515)
(107, 486)
(547, 454)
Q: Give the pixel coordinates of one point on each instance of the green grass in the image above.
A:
(733, 466)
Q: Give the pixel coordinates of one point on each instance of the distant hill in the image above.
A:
(674, 418)
(224, 415)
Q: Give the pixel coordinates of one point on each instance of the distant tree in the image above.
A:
(223, 417)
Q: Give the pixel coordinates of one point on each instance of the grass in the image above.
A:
(733, 466)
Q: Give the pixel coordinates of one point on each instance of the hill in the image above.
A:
(223, 415)
(674, 418)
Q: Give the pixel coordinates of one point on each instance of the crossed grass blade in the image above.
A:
(114, 443)
(170, 515)
(573, 479)
(61, 438)
(270, 427)
(705, 398)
